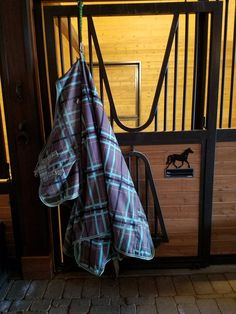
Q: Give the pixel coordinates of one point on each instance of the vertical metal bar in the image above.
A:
(138, 95)
(224, 64)
(155, 222)
(146, 192)
(70, 39)
(166, 100)
(195, 69)
(137, 175)
(175, 78)
(155, 121)
(61, 45)
(212, 100)
(202, 71)
(90, 44)
(185, 70)
(101, 86)
(232, 72)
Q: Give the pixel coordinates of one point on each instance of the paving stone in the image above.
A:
(4, 306)
(61, 303)
(73, 288)
(140, 300)
(180, 299)
(110, 288)
(128, 287)
(144, 309)
(211, 296)
(60, 306)
(4, 289)
(188, 308)
(40, 305)
(165, 286)
(208, 306)
(166, 305)
(227, 305)
(183, 285)
(147, 287)
(105, 309)
(56, 310)
(91, 288)
(20, 305)
(118, 301)
(220, 283)
(231, 277)
(201, 284)
(18, 290)
(37, 289)
(80, 306)
(128, 309)
(54, 289)
(101, 301)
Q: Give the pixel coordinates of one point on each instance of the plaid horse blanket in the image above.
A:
(82, 161)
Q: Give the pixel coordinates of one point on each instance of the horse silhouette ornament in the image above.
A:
(183, 158)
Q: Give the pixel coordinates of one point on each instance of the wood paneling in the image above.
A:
(178, 197)
(224, 200)
(6, 218)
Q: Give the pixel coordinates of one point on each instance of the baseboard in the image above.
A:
(37, 267)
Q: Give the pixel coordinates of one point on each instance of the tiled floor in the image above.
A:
(163, 292)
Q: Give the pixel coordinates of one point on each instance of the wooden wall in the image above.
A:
(5, 217)
(178, 197)
(224, 200)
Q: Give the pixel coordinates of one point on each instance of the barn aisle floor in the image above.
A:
(207, 291)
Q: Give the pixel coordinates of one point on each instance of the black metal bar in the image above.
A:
(137, 178)
(61, 45)
(224, 64)
(90, 44)
(138, 94)
(226, 135)
(101, 87)
(155, 122)
(232, 73)
(166, 100)
(70, 39)
(201, 71)
(212, 101)
(146, 193)
(151, 138)
(160, 81)
(195, 68)
(185, 70)
(175, 78)
(134, 9)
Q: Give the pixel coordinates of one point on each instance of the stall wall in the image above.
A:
(224, 200)
(178, 197)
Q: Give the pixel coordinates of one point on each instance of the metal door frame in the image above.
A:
(207, 137)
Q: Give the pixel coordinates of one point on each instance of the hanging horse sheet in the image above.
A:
(82, 161)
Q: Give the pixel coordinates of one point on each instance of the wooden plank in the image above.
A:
(225, 168)
(225, 153)
(223, 183)
(224, 208)
(224, 197)
(4, 200)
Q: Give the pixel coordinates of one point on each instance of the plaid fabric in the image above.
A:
(107, 220)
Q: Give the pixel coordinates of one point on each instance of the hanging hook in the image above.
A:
(80, 9)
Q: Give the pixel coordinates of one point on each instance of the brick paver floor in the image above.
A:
(153, 292)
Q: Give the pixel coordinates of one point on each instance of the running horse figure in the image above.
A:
(171, 159)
